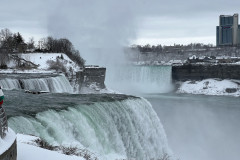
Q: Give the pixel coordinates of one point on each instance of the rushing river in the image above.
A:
(200, 127)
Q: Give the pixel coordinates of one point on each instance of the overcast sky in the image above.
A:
(101, 22)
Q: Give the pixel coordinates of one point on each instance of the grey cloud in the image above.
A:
(91, 21)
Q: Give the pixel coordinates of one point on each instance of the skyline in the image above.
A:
(117, 23)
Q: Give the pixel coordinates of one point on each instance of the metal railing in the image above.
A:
(3, 122)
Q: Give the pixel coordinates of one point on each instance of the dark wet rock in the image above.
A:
(35, 91)
(231, 90)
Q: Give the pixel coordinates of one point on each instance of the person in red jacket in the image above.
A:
(1, 96)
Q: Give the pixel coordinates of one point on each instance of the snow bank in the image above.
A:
(27, 151)
(42, 58)
(7, 141)
(211, 87)
(93, 88)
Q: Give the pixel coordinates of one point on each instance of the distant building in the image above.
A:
(228, 31)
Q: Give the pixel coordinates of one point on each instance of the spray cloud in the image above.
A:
(99, 29)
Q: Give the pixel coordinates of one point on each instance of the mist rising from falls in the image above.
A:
(58, 84)
(121, 129)
(140, 79)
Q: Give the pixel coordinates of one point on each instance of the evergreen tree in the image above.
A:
(19, 38)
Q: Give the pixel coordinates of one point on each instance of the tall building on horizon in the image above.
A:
(228, 31)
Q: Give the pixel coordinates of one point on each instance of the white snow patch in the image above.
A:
(7, 141)
(42, 58)
(193, 57)
(175, 61)
(94, 88)
(211, 87)
(27, 151)
(147, 63)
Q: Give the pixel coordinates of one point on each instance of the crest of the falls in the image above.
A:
(55, 84)
(120, 129)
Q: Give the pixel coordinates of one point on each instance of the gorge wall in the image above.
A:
(203, 71)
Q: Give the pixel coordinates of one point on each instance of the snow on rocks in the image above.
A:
(211, 87)
(94, 88)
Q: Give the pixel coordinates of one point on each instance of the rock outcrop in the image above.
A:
(91, 75)
(202, 71)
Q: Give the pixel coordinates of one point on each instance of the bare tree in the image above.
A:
(5, 34)
(7, 41)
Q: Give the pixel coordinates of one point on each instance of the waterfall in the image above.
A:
(120, 129)
(10, 84)
(58, 84)
(141, 79)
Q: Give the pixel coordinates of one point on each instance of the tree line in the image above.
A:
(157, 53)
(13, 43)
(176, 47)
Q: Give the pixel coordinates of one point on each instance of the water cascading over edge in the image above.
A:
(57, 84)
(120, 129)
(140, 79)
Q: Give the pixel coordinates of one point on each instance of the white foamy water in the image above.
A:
(58, 84)
(140, 79)
(120, 129)
(10, 84)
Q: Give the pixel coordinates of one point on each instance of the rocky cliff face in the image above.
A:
(200, 72)
(91, 77)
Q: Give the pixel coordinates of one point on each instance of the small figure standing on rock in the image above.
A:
(1, 96)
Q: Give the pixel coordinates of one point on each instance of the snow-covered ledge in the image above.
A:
(224, 87)
(8, 145)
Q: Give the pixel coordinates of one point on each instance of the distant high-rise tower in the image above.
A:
(228, 31)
